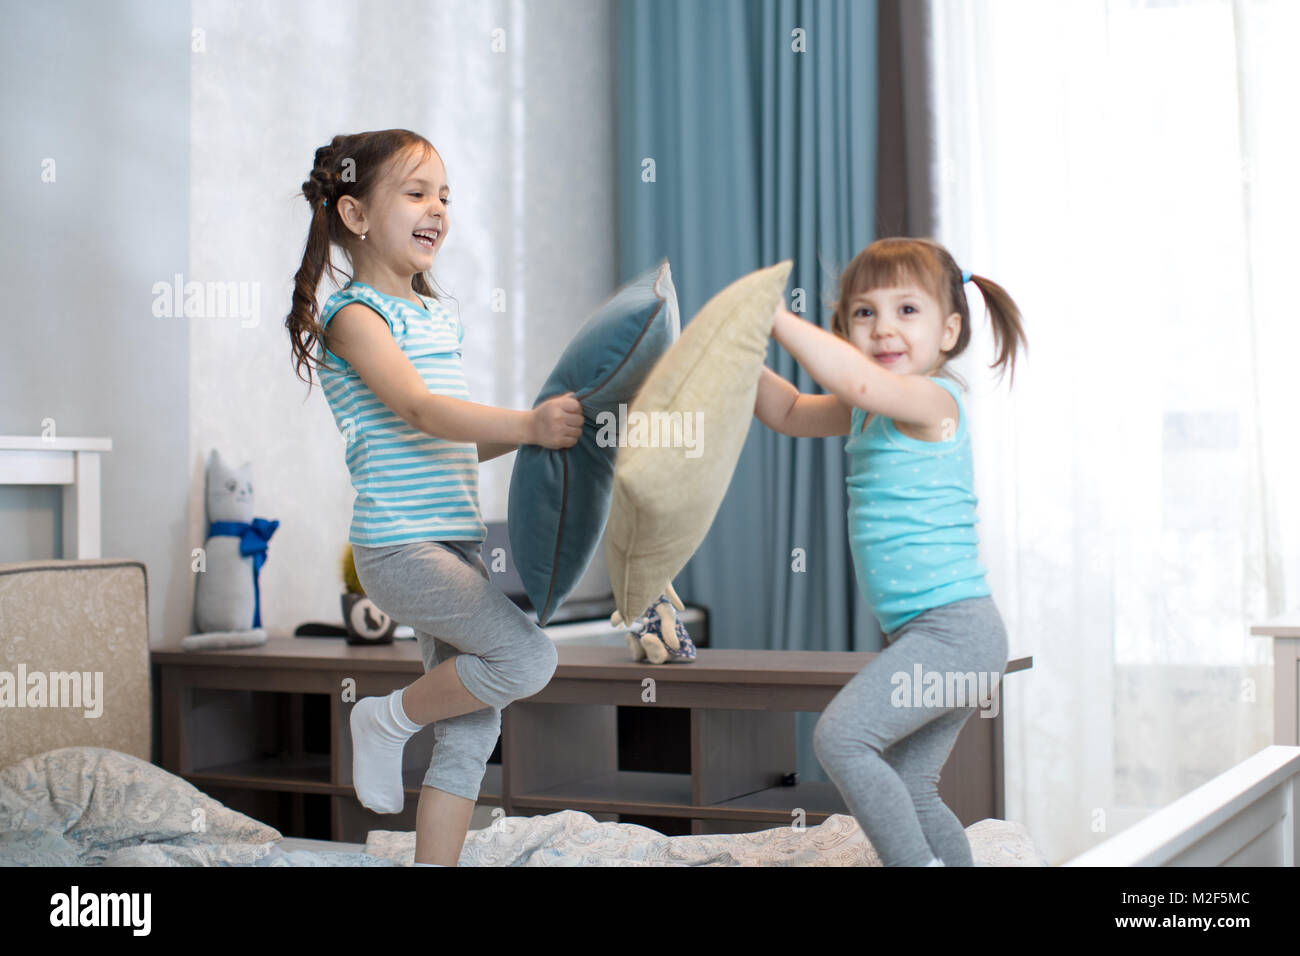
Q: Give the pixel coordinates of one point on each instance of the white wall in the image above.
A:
(104, 91)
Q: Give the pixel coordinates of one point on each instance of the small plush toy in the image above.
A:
(227, 596)
(658, 634)
(362, 618)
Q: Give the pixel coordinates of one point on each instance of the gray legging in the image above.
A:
(885, 757)
(442, 591)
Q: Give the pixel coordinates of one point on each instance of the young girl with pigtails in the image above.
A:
(900, 318)
(389, 354)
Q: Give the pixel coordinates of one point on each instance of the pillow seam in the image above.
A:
(627, 355)
(559, 538)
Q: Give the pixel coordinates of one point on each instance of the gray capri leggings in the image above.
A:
(443, 592)
(884, 754)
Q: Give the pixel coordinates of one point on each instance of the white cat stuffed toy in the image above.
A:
(227, 597)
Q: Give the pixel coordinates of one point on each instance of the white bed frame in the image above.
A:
(1246, 816)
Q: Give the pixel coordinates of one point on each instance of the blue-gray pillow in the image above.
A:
(559, 498)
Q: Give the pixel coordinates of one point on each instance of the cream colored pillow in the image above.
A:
(684, 433)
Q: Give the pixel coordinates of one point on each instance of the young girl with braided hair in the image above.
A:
(389, 356)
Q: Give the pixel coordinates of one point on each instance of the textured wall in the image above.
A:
(103, 90)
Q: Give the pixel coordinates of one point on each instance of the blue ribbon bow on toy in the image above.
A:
(252, 540)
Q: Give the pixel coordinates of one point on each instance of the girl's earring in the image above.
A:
(363, 237)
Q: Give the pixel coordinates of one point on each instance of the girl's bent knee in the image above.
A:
(823, 735)
(543, 663)
(827, 744)
(531, 668)
(834, 747)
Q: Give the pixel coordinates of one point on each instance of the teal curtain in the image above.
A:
(761, 153)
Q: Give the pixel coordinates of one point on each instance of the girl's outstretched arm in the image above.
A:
(856, 380)
(785, 409)
(359, 336)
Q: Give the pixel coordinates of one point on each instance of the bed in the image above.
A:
(83, 792)
(1246, 816)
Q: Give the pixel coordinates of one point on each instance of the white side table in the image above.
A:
(70, 462)
(1285, 631)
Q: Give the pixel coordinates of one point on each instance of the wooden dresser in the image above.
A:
(265, 730)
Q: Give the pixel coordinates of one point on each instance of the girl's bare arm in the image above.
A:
(360, 337)
(856, 380)
(783, 408)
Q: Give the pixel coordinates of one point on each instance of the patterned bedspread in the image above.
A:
(89, 806)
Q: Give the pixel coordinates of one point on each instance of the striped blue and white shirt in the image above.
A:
(410, 485)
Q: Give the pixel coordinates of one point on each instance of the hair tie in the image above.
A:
(965, 277)
(324, 202)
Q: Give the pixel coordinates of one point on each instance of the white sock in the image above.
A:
(935, 861)
(426, 864)
(380, 729)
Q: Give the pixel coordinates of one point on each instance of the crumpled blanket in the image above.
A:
(573, 838)
(91, 806)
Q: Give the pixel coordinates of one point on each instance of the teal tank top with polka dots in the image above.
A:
(912, 518)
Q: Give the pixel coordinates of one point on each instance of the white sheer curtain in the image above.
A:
(1126, 171)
